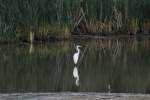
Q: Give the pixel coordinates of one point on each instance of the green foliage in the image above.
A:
(20, 17)
(7, 32)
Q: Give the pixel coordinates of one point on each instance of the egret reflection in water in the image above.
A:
(76, 75)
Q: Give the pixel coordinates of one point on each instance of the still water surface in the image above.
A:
(105, 65)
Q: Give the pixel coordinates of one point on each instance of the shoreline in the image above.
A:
(72, 37)
(74, 96)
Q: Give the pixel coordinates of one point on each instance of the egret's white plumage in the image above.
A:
(75, 72)
(77, 81)
(75, 75)
(76, 55)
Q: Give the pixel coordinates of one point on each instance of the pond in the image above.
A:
(116, 65)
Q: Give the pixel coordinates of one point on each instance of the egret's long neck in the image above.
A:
(78, 50)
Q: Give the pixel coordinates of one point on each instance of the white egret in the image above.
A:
(76, 55)
(75, 75)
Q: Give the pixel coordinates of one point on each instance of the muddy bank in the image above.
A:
(74, 96)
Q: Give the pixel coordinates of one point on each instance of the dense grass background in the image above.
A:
(19, 18)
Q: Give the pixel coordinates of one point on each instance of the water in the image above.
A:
(117, 65)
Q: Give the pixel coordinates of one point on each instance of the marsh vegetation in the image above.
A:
(50, 19)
